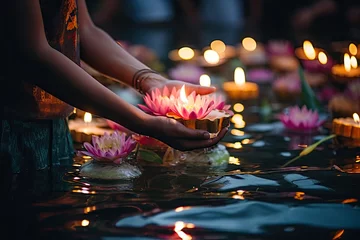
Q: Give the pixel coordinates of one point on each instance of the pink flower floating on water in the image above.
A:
(186, 72)
(176, 104)
(301, 119)
(114, 147)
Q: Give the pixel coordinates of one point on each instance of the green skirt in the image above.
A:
(36, 144)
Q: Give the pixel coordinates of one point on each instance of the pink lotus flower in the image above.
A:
(114, 147)
(159, 103)
(301, 120)
(288, 83)
(186, 72)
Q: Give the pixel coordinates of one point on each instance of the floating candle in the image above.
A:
(183, 54)
(224, 51)
(307, 52)
(82, 129)
(348, 128)
(239, 88)
(252, 53)
(205, 80)
(347, 71)
(210, 58)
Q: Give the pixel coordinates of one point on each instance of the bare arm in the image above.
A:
(101, 52)
(56, 74)
(68, 81)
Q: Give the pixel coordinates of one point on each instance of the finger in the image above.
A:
(192, 145)
(200, 89)
(188, 133)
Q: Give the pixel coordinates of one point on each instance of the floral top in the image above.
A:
(26, 101)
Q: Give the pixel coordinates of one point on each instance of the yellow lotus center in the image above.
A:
(108, 144)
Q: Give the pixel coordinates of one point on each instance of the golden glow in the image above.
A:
(211, 56)
(237, 118)
(239, 76)
(179, 226)
(338, 234)
(322, 58)
(205, 80)
(89, 209)
(353, 49)
(237, 145)
(87, 117)
(239, 195)
(234, 160)
(356, 118)
(183, 97)
(74, 111)
(218, 46)
(238, 107)
(85, 223)
(249, 43)
(245, 141)
(353, 62)
(186, 53)
(347, 63)
(237, 132)
(309, 50)
(299, 195)
(349, 200)
(180, 209)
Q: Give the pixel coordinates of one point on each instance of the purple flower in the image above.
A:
(301, 120)
(114, 147)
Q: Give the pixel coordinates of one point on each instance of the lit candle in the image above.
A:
(348, 128)
(190, 112)
(353, 49)
(322, 58)
(183, 54)
(239, 88)
(82, 129)
(205, 80)
(307, 51)
(251, 52)
(210, 58)
(222, 49)
(348, 70)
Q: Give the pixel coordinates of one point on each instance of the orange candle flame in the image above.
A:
(183, 97)
(347, 62)
(309, 50)
(239, 76)
(87, 117)
(356, 118)
(322, 58)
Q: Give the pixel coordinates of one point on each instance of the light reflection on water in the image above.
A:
(172, 202)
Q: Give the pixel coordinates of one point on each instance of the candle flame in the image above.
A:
(309, 50)
(353, 62)
(205, 80)
(356, 118)
(249, 43)
(183, 97)
(179, 226)
(211, 56)
(322, 58)
(347, 62)
(239, 76)
(353, 49)
(186, 53)
(85, 223)
(218, 46)
(87, 117)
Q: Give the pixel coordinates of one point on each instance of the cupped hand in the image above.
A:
(179, 137)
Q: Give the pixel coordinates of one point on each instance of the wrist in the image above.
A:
(146, 79)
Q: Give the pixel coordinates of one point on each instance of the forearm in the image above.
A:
(73, 85)
(101, 52)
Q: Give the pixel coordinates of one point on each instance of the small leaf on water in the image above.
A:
(309, 149)
(149, 156)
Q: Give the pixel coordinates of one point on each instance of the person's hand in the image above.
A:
(179, 137)
(157, 81)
